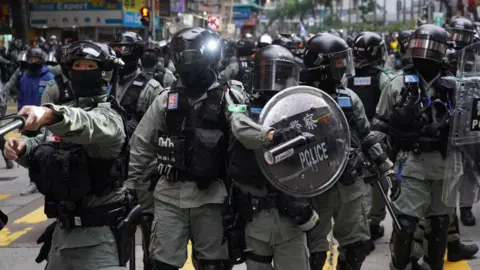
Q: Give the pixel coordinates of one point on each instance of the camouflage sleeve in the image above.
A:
(144, 142)
(55, 70)
(148, 95)
(244, 129)
(11, 87)
(51, 93)
(30, 145)
(370, 142)
(168, 78)
(101, 129)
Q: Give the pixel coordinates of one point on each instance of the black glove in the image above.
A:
(285, 134)
(396, 188)
(46, 239)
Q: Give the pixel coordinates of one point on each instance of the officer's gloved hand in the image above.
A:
(396, 186)
(284, 134)
(302, 213)
(46, 239)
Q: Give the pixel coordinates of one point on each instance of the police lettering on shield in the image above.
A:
(475, 119)
(313, 155)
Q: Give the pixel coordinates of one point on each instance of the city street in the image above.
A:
(18, 248)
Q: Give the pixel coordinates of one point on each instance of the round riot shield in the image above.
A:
(310, 164)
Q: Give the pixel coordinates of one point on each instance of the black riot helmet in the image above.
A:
(264, 40)
(245, 47)
(274, 69)
(22, 59)
(35, 59)
(429, 42)
(335, 32)
(151, 55)
(129, 46)
(462, 31)
(59, 56)
(369, 49)
(91, 81)
(328, 60)
(195, 53)
(284, 41)
(404, 39)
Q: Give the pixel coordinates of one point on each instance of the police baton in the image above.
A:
(388, 204)
(16, 123)
(287, 149)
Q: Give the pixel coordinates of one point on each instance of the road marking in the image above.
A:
(6, 237)
(4, 196)
(33, 217)
(461, 265)
(13, 134)
(188, 264)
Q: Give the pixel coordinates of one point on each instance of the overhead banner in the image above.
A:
(132, 16)
(74, 13)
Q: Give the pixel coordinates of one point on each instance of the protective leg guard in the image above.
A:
(210, 265)
(437, 241)
(317, 260)
(401, 246)
(163, 266)
(351, 256)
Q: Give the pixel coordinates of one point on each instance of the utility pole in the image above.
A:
(429, 17)
(153, 5)
(384, 12)
(404, 11)
(375, 12)
(19, 19)
(411, 10)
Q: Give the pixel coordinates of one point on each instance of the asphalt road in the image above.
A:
(27, 221)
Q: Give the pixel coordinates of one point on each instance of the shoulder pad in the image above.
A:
(154, 83)
(237, 85)
(51, 82)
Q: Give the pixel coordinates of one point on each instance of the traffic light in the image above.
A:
(145, 16)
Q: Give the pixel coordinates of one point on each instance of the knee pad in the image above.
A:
(408, 223)
(353, 255)
(163, 266)
(317, 260)
(440, 223)
(210, 265)
(402, 241)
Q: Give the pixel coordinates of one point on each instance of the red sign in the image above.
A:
(214, 22)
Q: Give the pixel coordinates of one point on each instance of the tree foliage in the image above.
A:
(293, 8)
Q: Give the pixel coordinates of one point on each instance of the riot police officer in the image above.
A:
(239, 70)
(59, 90)
(328, 61)
(185, 130)
(272, 228)
(369, 51)
(79, 164)
(151, 64)
(264, 40)
(136, 90)
(165, 57)
(421, 138)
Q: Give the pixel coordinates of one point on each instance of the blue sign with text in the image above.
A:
(241, 13)
(132, 19)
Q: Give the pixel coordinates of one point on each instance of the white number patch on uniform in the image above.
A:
(362, 81)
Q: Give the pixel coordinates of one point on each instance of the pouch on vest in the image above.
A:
(60, 173)
(208, 155)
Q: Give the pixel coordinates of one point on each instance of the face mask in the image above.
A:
(149, 61)
(86, 83)
(196, 82)
(34, 67)
(425, 67)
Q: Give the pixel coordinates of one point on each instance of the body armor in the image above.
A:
(366, 84)
(64, 172)
(420, 123)
(193, 148)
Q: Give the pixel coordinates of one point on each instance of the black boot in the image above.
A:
(437, 242)
(352, 256)
(467, 217)
(376, 232)
(457, 251)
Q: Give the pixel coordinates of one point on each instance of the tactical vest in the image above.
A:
(194, 145)
(243, 71)
(64, 172)
(132, 95)
(243, 166)
(413, 125)
(65, 90)
(366, 84)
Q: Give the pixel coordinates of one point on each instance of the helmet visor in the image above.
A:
(462, 36)
(342, 65)
(428, 49)
(275, 75)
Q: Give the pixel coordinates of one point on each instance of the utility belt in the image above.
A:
(357, 167)
(422, 147)
(121, 217)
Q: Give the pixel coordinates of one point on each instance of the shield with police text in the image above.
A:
(311, 163)
(462, 162)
